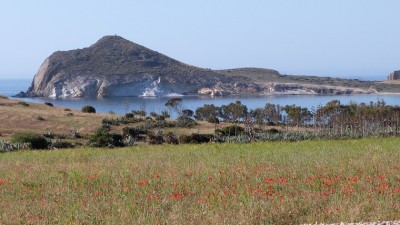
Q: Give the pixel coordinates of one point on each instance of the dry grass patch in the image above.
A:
(36, 118)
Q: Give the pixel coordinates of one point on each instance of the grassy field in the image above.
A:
(257, 183)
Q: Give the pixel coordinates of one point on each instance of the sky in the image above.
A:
(340, 38)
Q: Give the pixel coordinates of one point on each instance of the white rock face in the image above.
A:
(281, 89)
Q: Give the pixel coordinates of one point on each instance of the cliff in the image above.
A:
(114, 66)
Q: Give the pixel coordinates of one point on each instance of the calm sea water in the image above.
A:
(122, 105)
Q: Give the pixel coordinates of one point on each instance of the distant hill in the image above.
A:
(114, 66)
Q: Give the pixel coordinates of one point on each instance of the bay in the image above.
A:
(122, 105)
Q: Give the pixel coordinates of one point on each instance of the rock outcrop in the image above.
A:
(114, 66)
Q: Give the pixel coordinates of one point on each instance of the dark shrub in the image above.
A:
(160, 118)
(36, 142)
(88, 109)
(184, 121)
(49, 104)
(170, 138)
(273, 131)
(213, 120)
(117, 140)
(154, 139)
(61, 144)
(165, 114)
(66, 109)
(40, 118)
(129, 115)
(139, 112)
(233, 130)
(70, 114)
(187, 113)
(134, 132)
(153, 114)
(195, 138)
(24, 104)
(101, 138)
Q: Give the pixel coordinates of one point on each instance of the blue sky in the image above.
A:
(344, 38)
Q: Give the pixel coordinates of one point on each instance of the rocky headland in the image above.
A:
(116, 67)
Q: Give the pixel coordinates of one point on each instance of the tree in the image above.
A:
(175, 104)
(273, 113)
(88, 109)
(259, 116)
(206, 112)
(297, 115)
(187, 113)
(165, 114)
(234, 112)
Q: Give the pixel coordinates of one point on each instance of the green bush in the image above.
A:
(273, 131)
(61, 144)
(88, 109)
(49, 104)
(102, 138)
(126, 119)
(213, 120)
(139, 112)
(232, 130)
(35, 142)
(154, 139)
(184, 121)
(195, 138)
(134, 132)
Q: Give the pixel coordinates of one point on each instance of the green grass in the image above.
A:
(257, 183)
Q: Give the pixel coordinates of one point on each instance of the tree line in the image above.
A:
(334, 118)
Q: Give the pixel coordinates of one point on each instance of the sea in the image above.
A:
(122, 105)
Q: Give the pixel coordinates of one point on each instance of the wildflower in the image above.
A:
(395, 190)
(176, 195)
(2, 182)
(309, 179)
(381, 177)
(269, 180)
(143, 182)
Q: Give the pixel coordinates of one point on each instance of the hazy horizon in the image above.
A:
(350, 39)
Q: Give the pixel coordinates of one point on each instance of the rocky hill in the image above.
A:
(114, 66)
